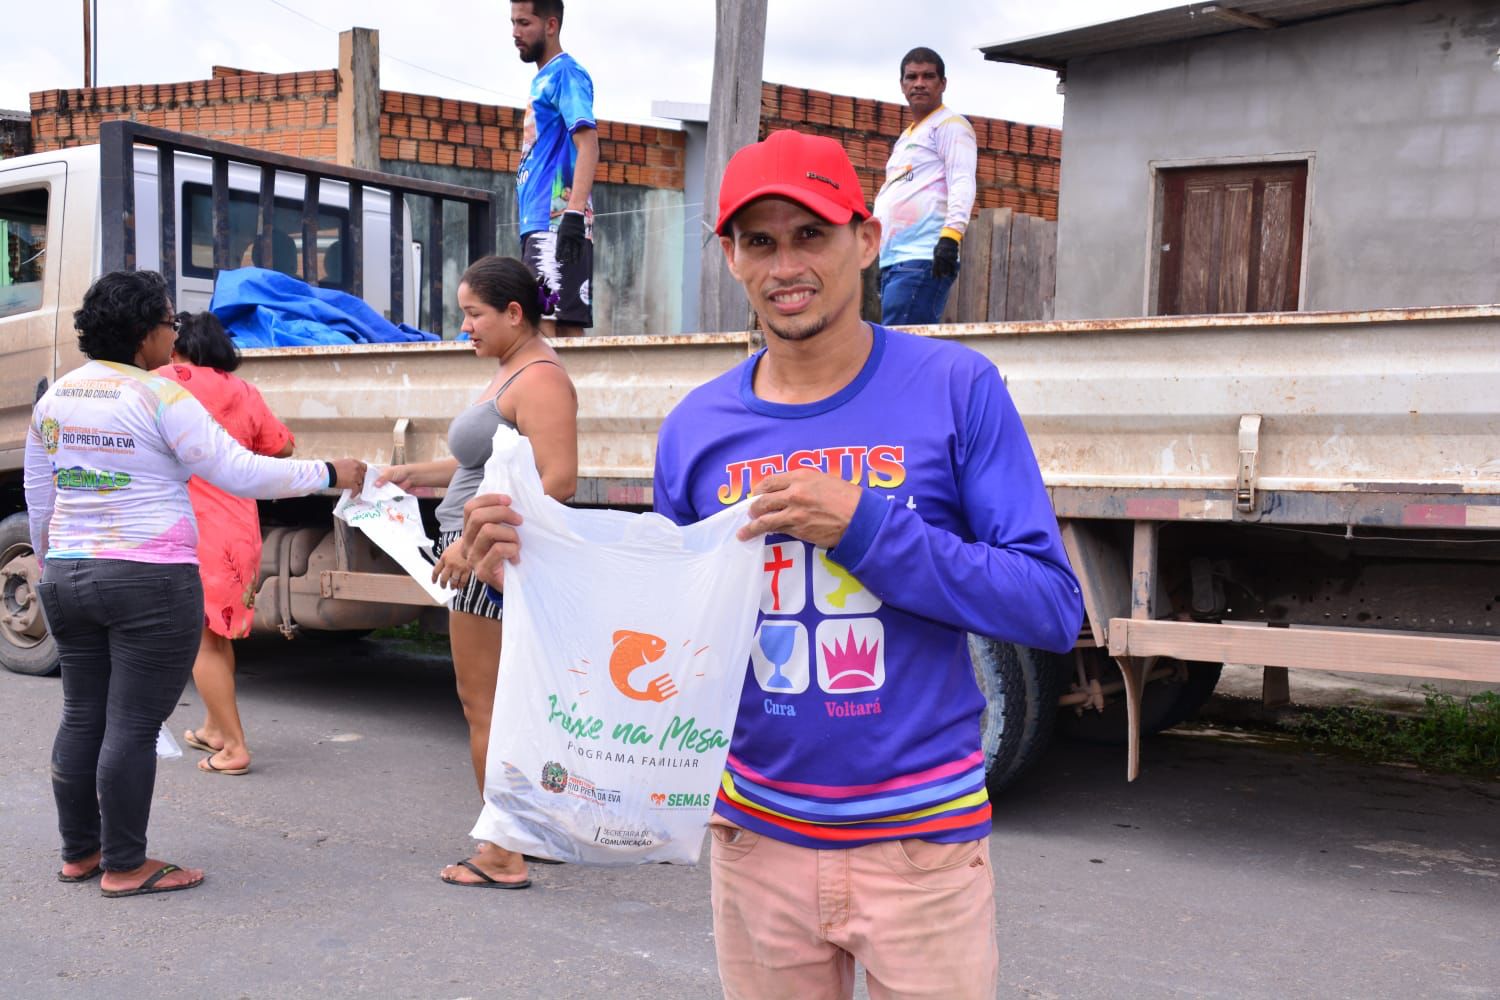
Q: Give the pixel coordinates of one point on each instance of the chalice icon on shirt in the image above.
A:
(777, 641)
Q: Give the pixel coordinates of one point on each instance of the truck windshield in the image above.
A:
(286, 236)
(23, 250)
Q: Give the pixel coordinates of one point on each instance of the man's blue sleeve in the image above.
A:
(1012, 581)
(575, 99)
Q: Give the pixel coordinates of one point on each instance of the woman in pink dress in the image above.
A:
(228, 532)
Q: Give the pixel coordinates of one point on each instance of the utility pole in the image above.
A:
(733, 122)
(88, 45)
(358, 105)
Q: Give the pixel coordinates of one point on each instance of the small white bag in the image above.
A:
(625, 646)
(166, 745)
(393, 521)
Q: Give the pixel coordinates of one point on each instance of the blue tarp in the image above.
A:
(264, 308)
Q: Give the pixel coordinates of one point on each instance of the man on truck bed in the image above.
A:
(902, 508)
(560, 149)
(925, 202)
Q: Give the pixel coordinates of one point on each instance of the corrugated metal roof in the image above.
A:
(1195, 20)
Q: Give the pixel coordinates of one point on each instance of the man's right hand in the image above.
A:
(490, 537)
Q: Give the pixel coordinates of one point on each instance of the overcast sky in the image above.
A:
(636, 52)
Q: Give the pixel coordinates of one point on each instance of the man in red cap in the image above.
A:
(901, 508)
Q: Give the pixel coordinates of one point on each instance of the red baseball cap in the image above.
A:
(812, 170)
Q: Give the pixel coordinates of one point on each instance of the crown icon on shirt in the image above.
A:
(851, 666)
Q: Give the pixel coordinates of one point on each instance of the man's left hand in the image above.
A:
(807, 504)
(569, 245)
(945, 258)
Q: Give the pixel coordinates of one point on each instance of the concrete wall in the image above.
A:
(1397, 108)
(637, 248)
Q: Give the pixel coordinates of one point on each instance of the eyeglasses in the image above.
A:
(175, 323)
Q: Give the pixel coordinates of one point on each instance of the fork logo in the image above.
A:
(634, 650)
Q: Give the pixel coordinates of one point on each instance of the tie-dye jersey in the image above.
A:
(859, 716)
(108, 456)
(929, 187)
(562, 102)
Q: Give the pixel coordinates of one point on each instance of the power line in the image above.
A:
(404, 62)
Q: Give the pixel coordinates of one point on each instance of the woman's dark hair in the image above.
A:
(119, 310)
(203, 340)
(499, 281)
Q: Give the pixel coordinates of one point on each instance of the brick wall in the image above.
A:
(297, 113)
(293, 113)
(1017, 166)
(421, 129)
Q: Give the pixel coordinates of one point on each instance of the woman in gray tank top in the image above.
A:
(532, 393)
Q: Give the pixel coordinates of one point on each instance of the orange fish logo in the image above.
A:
(632, 651)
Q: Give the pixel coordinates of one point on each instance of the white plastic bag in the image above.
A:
(625, 644)
(393, 521)
(166, 745)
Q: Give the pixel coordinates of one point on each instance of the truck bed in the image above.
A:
(1352, 407)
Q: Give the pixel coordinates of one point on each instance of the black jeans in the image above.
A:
(127, 634)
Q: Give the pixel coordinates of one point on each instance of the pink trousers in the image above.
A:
(790, 922)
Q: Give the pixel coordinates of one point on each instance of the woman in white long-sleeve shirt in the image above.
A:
(108, 456)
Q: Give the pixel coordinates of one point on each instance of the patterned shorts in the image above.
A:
(475, 599)
(569, 281)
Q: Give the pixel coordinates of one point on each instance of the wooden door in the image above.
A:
(1231, 239)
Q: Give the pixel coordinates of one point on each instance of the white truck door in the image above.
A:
(31, 229)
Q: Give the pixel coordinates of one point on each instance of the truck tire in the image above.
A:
(1021, 687)
(1165, 704)
(26, 647)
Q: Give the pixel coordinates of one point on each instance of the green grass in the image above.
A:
(1450, 734)
(413, 632)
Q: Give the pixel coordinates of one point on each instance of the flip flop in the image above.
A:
(533, 859)
(85, 877)
(206, 765)
(190, 737)
(488, 883)
(151, 885)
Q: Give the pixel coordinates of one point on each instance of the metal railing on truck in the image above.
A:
(118, 139)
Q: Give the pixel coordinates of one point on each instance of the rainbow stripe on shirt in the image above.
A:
(946, 803)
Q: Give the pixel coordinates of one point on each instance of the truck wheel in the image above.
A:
(1021, 687)
(1167, 702)
(26, 647)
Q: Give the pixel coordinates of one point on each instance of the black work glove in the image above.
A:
(569, 246)
(944, 257)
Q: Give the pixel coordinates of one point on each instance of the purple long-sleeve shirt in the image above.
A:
(859, 719)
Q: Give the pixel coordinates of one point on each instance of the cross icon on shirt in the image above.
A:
(774, 566)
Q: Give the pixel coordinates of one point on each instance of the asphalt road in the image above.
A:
(1230, 869)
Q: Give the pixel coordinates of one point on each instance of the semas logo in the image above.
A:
(79, 479)
(681, 800)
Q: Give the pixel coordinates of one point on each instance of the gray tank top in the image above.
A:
(471, 436)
